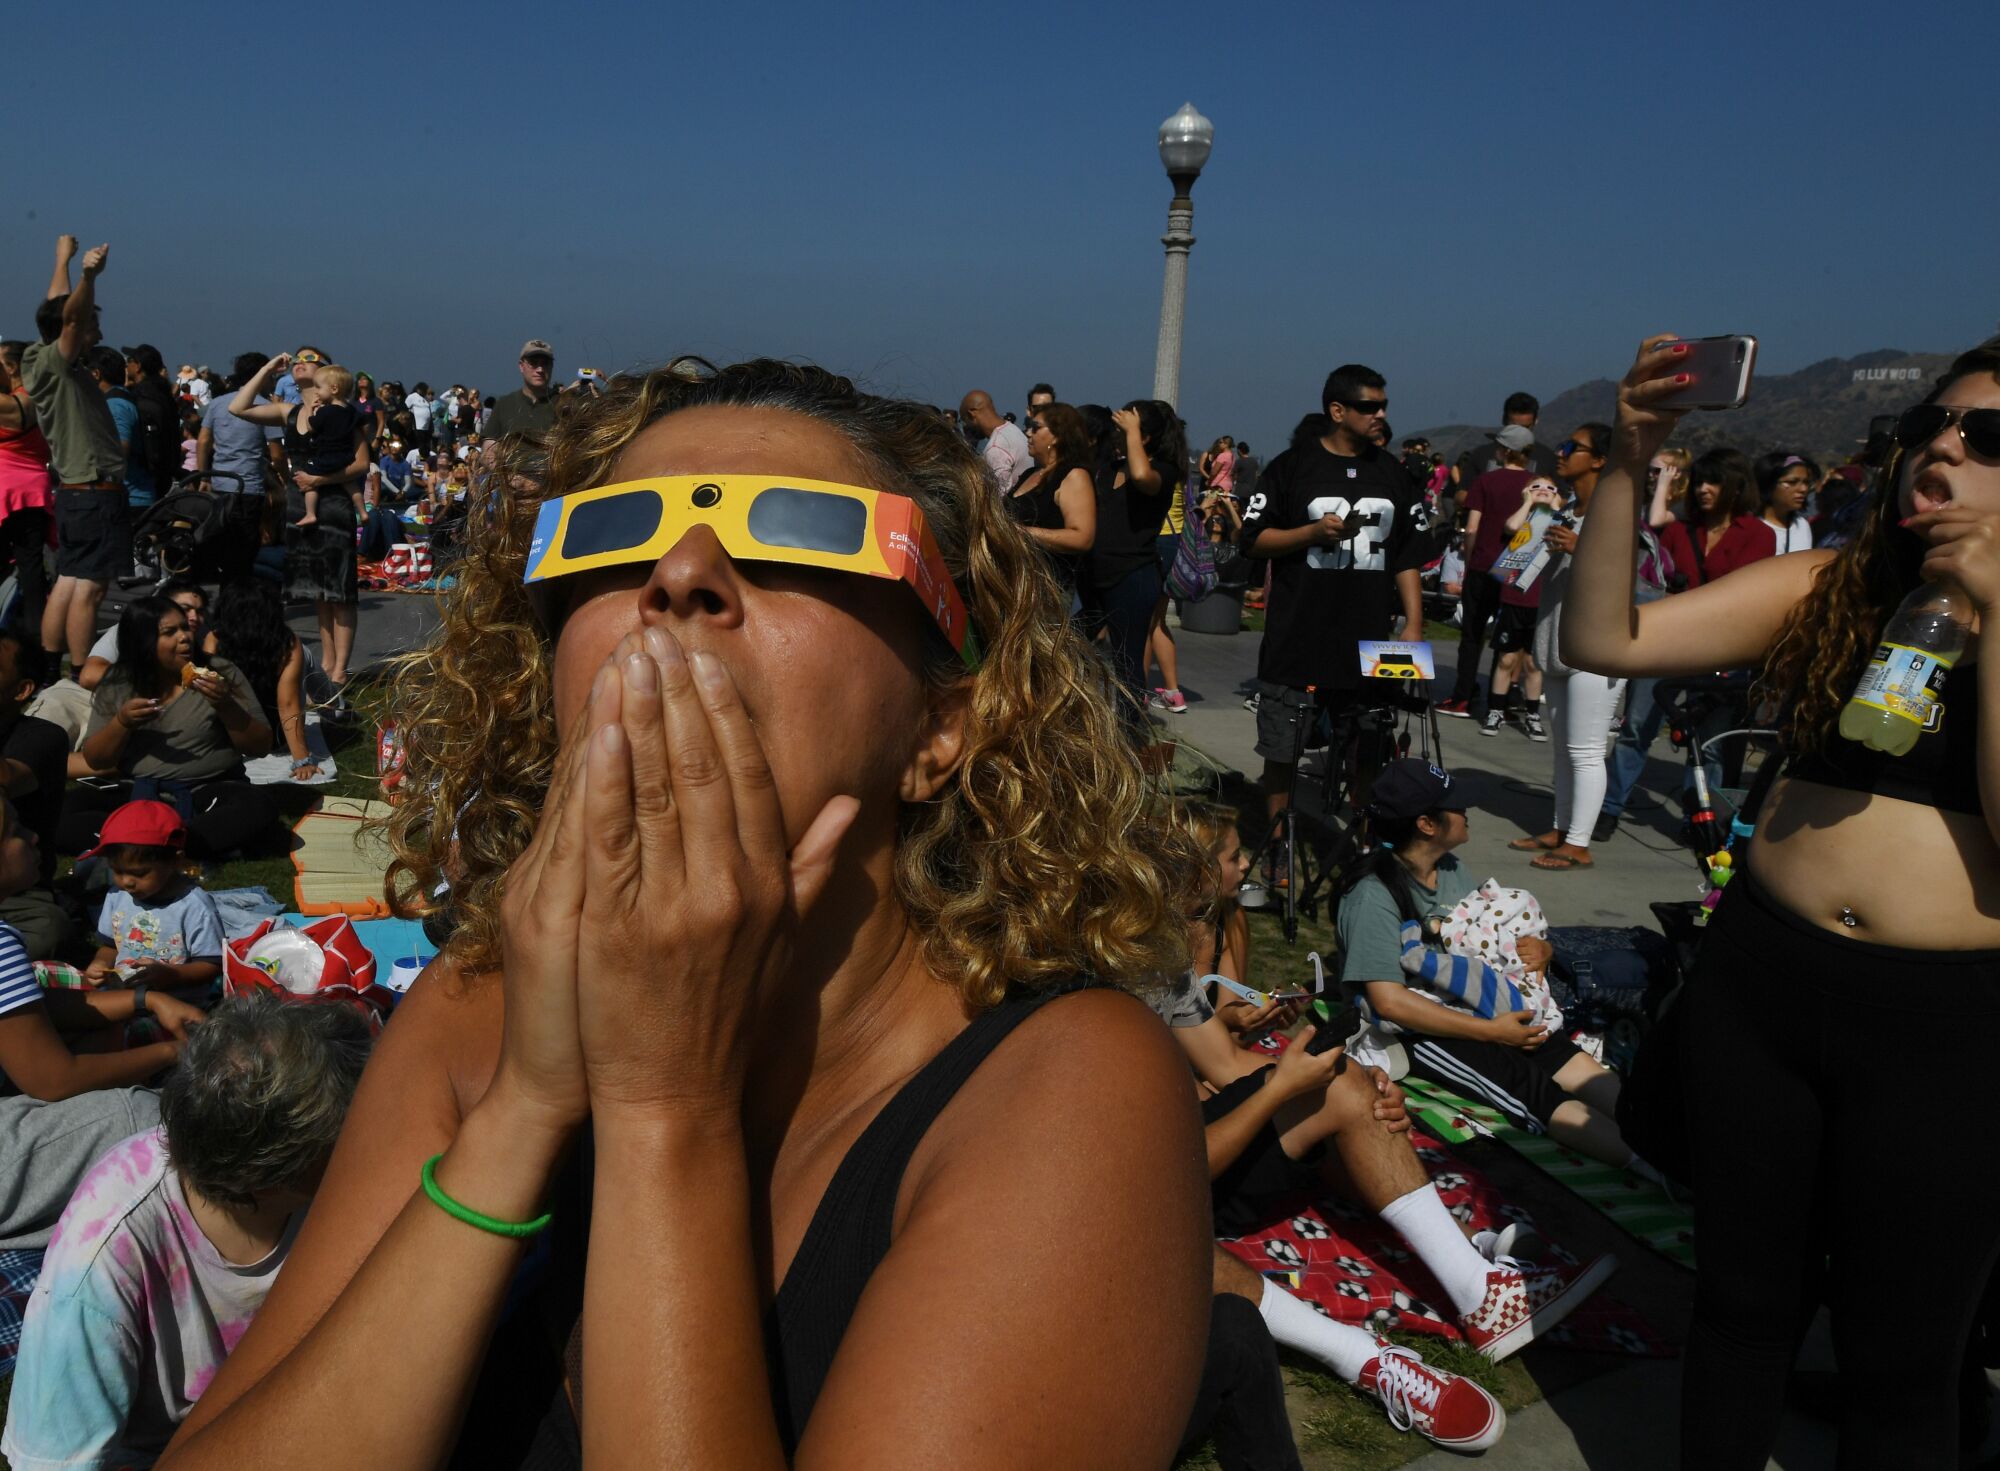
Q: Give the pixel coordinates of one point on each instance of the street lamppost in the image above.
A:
(1185, 141)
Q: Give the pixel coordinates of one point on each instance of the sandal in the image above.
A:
(1554, 862)
(1534, 845)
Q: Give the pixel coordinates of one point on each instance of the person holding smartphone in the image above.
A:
(1871, 891)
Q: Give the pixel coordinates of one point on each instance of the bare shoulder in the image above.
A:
(1087, 1073)
(1080, 1125)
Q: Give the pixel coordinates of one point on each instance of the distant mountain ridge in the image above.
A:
(1821, 410)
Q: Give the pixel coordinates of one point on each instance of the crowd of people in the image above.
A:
(788, 1034)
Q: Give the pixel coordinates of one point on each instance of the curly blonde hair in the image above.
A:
(1041, 860)
(1827, 637)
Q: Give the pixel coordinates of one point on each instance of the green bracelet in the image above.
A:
(472, 1217)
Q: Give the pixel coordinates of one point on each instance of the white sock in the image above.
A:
(1645, 1171)
(1424, 1222)
(1342, 1347)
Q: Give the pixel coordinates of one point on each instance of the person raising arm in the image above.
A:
(1871, 888)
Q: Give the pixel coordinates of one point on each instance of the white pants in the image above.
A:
(1580, 708)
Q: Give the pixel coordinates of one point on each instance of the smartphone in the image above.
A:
(1718, 370)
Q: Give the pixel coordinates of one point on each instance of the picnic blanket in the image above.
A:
(339, 860)
(1357, 1269)
(1639, 1206)
(18, 1271)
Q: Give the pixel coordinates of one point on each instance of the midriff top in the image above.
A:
(1941, 770)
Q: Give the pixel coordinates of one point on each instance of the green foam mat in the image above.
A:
(1641, 1208)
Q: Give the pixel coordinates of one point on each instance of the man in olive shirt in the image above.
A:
(93, 522)
(532, 410)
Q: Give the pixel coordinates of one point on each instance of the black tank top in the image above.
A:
(1942, 769)
(1038, 508)
(844, 1243)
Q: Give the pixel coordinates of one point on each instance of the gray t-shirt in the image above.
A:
(1179, 1001)
(1371, 930)
(239, 446)
(186, 741)
(82, 435)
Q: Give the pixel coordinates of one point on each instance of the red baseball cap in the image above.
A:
(144, 824)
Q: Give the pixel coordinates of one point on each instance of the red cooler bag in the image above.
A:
(346, 969)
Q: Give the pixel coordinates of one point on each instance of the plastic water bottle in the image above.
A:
(1898, 691)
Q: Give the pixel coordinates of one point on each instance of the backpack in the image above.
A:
(1192, 576)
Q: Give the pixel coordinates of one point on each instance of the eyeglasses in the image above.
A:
(307, 355)
(536, 360)
(1979, 428)
(807, 523)
(1365, 405)
(1570, 446)
(1034, 424)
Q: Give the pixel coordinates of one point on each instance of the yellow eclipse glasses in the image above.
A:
(757, 518)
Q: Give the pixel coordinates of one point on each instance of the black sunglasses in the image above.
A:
(1979, 428)
(1033, 425)
(1570, 446)
(1365, 405)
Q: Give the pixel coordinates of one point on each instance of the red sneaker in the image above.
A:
(1461, 709)
(1439, 1405)
(1524, 1302)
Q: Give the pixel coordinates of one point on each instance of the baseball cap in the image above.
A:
(534, 346)
(1408, 788)
(144, 824)
(1516, 437)
(147, 357)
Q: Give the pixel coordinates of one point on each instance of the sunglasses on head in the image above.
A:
(1979, 428)
(1365, 405)
(807, 523)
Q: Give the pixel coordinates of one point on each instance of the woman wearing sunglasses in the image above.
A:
(1867, 916)
(773, 876)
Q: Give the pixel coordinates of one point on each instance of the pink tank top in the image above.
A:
(24, 469)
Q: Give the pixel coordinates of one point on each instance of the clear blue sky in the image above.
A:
(1473, 198)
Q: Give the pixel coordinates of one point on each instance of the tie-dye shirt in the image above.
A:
(134, 1314)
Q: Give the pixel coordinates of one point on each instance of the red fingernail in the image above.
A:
(1680, 347)
(1682, 378)
(1905, 522)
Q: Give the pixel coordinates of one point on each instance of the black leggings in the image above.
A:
(1816, 1144)
(1127, 609)
(24, 537)
(1241, 1403)
(223, 817)
(1478, 602)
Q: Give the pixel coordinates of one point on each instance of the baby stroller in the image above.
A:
(181, 531)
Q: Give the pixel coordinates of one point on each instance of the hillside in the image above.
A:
(1822, 410)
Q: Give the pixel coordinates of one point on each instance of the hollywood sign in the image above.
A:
(1887, 375)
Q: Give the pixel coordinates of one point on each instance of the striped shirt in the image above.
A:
(18, 987)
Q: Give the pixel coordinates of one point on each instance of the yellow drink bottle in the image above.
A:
(1897, 694)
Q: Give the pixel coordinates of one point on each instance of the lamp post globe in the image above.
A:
(1186, 139)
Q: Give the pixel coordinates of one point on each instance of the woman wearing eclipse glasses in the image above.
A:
(1864, 930)
(782, 812)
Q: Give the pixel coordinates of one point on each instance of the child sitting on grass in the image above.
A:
(64, 1102)
(160, 927)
